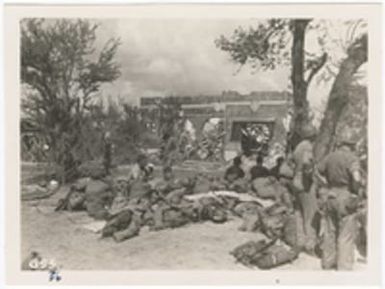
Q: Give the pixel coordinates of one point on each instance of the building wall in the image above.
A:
(264, 107)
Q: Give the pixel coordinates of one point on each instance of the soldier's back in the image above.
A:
(337, 167)
(303, 147)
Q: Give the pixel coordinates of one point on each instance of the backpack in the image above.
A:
(249, 252)
(273, 221)
(263, 254)
(290, 231)
(117, 223)
(275, 255)
(266, 188)
(210, 209)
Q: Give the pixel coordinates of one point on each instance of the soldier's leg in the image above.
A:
(132, 230)
(97, 211)
(309, 208)
(158, 216)
(287, 200)
(329, 243)
(346, 242)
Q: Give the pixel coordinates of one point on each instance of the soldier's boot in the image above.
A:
(131, 231)
(346, 242)
(128, 233)
(286, 199)
(328, 244)
(158, 218)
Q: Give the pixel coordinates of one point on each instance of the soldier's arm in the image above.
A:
(319, 172)
(356, 176)
(307, 162)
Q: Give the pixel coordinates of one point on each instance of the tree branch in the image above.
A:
(317, 67)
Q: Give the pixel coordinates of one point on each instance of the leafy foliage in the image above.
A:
(265, 46)
(268, 46)
(171, 125)
(61, 71)
(276, 42)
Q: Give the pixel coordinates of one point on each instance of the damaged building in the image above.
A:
(235, 113)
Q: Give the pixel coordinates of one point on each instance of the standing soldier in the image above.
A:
(107, 159)
(340, 171)
(302, 184)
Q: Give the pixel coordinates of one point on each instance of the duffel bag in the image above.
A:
(117, 223)
(174, 218)
(249, 252)
(272, 226)
(275, 255)
(247, 208)
(290, 231)
(266, 188)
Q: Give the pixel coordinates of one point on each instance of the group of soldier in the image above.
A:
(330, 195)
(333, 188)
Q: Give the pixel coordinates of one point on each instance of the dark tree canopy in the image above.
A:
(61, 71)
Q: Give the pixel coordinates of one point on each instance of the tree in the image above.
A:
(357, 54)
(171, 124)
(61, 72)
(268, 46)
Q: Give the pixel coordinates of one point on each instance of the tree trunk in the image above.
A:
(339, 95)
(298, 81)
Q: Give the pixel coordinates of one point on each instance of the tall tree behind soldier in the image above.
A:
(276, 42)
(171, 124)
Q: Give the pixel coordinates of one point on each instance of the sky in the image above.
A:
(161, 57)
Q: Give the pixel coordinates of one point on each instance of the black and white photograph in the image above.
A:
(213, 143)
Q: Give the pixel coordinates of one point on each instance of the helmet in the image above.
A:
(346, 137)
(309, 131)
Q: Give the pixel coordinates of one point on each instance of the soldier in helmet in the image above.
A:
(340, 172)
(303, 161)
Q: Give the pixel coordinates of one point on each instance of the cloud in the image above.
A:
(160, 57)
(179, 57)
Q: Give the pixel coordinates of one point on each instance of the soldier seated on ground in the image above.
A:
(259, 170)
(138, 170)
(234, 172)
(168, 183)
(234, 179)
(93, 194)
(98, 195)
(275, 170)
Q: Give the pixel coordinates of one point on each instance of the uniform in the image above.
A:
(234, 173)
(304, 191)
(339, 228)
(98, 196)
(234, 179)
(259, 172)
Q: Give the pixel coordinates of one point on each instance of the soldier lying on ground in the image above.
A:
(94, 194)
(171, 206)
